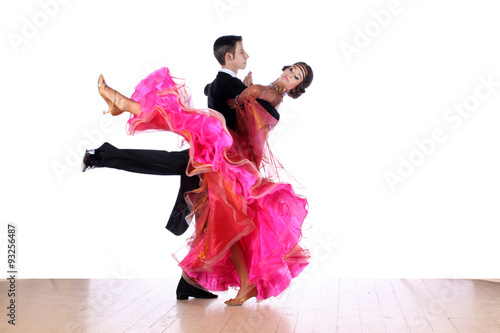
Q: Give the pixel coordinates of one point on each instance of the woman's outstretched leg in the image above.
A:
(117, 103)
(240, 263)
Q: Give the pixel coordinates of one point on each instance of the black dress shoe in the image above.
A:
(92, 159)
(185, 290)
(87, 162)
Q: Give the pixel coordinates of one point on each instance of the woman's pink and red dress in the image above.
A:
(239, 199)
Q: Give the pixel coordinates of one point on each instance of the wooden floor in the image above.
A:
(358, 306)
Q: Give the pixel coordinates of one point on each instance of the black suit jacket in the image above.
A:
(226, 87)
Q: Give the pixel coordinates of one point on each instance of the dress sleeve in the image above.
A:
(254, 91)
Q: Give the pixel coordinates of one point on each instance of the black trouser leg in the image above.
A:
(153, 162)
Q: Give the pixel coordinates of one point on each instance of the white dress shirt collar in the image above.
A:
(227, 71)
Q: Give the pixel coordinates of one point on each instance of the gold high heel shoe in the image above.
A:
(238, 301)
(113, 110)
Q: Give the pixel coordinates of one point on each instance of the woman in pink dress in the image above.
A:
(247, 222)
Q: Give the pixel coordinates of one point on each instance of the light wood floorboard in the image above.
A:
(327, 305)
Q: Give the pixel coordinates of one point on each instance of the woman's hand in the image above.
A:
(232, 103)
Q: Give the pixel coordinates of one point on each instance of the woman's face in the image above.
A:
(292, 76)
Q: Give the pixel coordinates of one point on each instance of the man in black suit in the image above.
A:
(230, 53)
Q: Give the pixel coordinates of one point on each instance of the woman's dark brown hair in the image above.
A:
(301, 88)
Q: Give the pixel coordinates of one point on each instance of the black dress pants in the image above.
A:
(153, 162)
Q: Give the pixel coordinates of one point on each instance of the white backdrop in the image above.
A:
(395, 144)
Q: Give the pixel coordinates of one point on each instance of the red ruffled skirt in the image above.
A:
(238, 200)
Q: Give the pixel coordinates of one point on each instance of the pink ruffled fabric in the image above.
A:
(239, 199)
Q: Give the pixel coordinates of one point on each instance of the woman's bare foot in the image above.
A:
(242, 297)
(104, 91)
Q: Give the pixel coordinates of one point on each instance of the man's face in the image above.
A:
(240, 57)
